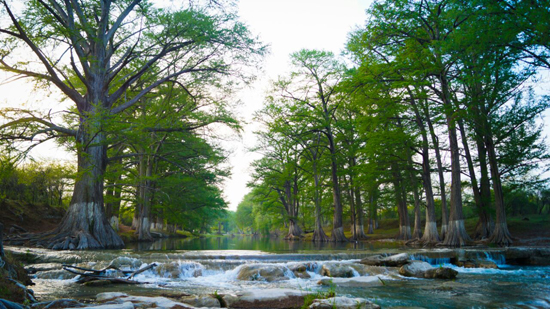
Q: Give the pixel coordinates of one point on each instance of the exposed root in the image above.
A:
(404, 233)
(456, 235)
(430, 236)
(320, 236)
(501, 236)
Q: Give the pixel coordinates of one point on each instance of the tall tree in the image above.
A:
(94, 52)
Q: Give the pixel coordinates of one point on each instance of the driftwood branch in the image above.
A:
(87, 274)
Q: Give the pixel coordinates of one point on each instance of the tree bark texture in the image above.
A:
(85, 225)
(337, 225)
(456, 235)
(400, 194)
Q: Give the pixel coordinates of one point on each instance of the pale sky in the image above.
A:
(287, 26)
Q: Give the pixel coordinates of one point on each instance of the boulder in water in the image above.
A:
(299, 270)
(266, 298)
(336, 269)
(343, 303)
(440, 273)
(414, 269)
(395, 260)
(259, 272)
(477, 264)
(121, 301)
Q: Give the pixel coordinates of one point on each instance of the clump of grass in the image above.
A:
(309, 298)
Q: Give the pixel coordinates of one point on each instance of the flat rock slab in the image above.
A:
(266, 298)
(366, 281)
(343, 303)
(392, 260)
(262, 272)
(119, 299)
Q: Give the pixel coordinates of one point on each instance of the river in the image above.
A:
(208, 265)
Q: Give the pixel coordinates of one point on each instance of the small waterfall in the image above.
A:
(497, 257)
(431, 260)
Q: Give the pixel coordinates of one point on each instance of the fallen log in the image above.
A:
(89, 275)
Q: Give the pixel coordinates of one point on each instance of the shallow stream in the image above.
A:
(204, 266)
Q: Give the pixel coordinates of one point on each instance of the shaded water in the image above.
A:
(267, 244)
(203, 266)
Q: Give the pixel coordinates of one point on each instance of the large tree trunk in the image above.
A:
(431, 235)
(417, 232)
(85, 226)
(360, 227)
(319, 234)
(501, 236)
(337, 225)
(144, 229)
(456, 232)
(442, 191)
(481, 208)
(400, 194)
(484, 228)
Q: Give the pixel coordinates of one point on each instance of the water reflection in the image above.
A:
(266, 244)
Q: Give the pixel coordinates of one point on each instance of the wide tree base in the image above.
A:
(443, 231)
(404, 233)
(501, 236)
(430, 236)
(456, 235)
(338, 235)
(320, 236)
(84, 227)
(360, 233)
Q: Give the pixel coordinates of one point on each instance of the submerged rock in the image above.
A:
(478, 263)
(343, 303)
(266, 298)
(352, 282)
(259, 272)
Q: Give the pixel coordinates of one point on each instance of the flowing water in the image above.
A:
(203, 266)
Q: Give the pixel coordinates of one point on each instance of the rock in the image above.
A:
(300, 271)
(120, 299)
(395, 260)
(58, 274)
(259, 272)
(414, 269)
(477, 264)
(336, 269)
(366, 270)
(108, 296)
(440, 273)
(201, 301)
(59, 303)
(528, 256)
(343, 303)
(367, 281)
(266, 298)
(124, 305)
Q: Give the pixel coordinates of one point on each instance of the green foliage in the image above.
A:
(35, 182)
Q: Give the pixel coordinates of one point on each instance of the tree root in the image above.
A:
(320, 236)
(338, 235)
